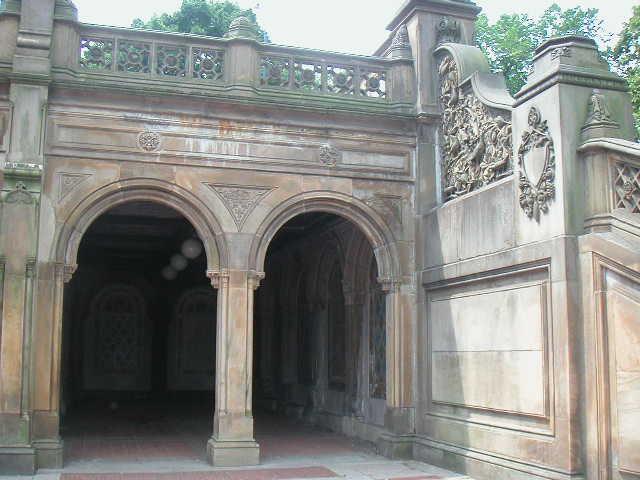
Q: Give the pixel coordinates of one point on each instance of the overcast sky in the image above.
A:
(353, 26)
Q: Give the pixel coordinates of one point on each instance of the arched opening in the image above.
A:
(138, 339)
(319, 330)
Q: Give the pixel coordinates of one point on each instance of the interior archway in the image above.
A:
(319, 326)
(138, 347)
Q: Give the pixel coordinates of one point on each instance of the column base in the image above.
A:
(233, 453)
(17, 461)
(49, 454)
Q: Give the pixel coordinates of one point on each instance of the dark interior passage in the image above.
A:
(139, 322)
(319, 324)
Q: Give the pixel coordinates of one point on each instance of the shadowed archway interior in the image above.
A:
(319, 334)
(138, 330)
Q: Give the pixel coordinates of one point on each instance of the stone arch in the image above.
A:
(361, 215)
(120, 192)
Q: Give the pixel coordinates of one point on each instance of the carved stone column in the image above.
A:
(232, 443)
(400, 412)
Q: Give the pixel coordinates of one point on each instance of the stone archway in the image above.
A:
(397, 299)
(65, 257)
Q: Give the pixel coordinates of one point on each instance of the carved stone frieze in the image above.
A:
(477, 146)
(448, 30)
(240, 200)
(536, 158)
(149, 141)
(329, 155)
(68, 181)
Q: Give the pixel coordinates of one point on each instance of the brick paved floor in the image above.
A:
(148, 442)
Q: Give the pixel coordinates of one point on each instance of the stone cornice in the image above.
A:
(570, 75)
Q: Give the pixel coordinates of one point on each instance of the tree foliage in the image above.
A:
(510, 42)
(626, 59)
(202, 17)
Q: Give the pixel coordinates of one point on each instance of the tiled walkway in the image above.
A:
(143, 444)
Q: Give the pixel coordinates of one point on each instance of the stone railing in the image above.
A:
(125, 51)
(271, 70)
(612, 182)
(314, 72)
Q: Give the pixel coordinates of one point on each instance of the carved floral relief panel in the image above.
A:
(476, 141)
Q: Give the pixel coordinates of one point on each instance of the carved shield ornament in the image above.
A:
(536, 157)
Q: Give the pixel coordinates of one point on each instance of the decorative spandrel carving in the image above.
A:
(536, 158)
(389, 206)
(477, 146)
(240, 200)
(626, 187)
(69, 181)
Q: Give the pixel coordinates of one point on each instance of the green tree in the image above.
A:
(202, 17)
(626, 59)
(510, 42)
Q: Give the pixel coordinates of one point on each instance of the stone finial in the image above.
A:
(400, 46)
(242, 27)
(599, 122)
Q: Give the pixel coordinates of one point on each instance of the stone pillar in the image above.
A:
(232, 443)
(561, 105)
(241, 64)
(400, 412)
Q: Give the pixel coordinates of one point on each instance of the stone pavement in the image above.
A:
(113, 447)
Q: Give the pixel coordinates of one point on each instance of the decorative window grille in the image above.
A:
(207, 64)
(134, 57)
(96, 53)
(626, 187)
(171, 60)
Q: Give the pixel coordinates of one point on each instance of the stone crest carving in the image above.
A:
(560, 52)
(448, 30)
(68, 181)
(329, 155)
(149, 141)
(536, 158)
(19, 194)
(477, 146)
(599, 115)
(240, 200)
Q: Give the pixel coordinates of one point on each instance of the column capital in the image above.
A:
(65, 271)
(254, 278)
(389, 284)
(219, 278)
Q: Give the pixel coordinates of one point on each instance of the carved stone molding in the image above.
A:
(20, 194)
(254, 279)
(68, 181)
(401, 38)
(560, 52)
(149, 141)
(536, 158)
(240, 200)
(219, 278)
(389, 285)
(477, 146)
(329, 155)
(448, 31)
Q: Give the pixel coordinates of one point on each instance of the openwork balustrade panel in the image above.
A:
(321, 77)
(626, 186)
(101, 54)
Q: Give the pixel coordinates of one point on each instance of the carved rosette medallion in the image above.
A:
(329, 155)
(477, 146)
(149, 141)
(537, 161)
(240, 200)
